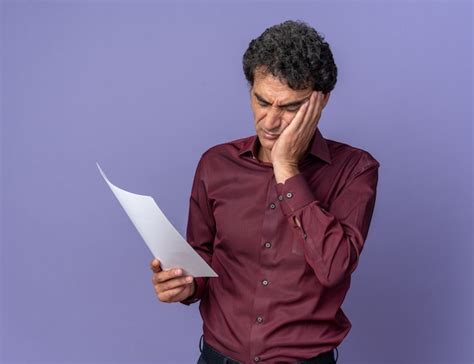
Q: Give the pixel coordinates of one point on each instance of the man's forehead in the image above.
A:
(269, 86)
(271, 92)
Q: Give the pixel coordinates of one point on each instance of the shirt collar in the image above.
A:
(319, 147)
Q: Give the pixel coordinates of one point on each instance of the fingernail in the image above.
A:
(189, 279)
(177, 272)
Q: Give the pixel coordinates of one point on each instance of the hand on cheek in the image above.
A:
(294, 139)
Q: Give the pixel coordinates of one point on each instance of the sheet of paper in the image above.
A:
(164, 241)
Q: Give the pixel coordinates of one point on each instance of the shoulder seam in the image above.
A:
(368, 162)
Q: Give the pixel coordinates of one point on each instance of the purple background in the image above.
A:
(145, 88)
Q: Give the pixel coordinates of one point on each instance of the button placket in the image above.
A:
(261, 302)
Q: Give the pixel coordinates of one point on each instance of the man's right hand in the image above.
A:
(171, 285)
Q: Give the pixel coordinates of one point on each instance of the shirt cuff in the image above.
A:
(201, 283)
(294, 194)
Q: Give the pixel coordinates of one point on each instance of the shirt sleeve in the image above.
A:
(332, 239)
(201, 227)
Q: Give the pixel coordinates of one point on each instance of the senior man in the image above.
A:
(281, 216)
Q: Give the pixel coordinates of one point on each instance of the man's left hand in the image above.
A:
(291, 145)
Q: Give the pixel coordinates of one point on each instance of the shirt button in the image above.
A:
(272, 205)
(265, 282)
(289, 195)
(259, 319)
(257, 358)
(268, 244)
(280, 197)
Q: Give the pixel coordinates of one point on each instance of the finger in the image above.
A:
(166, 275)
(308, 117)
(162, 279)
(318, 106)
(155, 265)
(175, 282)
(316, 112)
(168, 295)
(296, 121)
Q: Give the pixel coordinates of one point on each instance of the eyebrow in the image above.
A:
(293, 103)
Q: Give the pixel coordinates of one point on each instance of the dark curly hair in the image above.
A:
(295, 53)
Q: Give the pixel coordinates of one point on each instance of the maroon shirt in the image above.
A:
(280, 287)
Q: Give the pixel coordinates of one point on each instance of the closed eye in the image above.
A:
(293, 108)
(287, 108)
(290, 107)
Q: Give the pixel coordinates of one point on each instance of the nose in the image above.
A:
(273, 119)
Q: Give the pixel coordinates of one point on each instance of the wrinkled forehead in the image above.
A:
(273, 89)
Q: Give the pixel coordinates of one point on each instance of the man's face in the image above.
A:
(274, 105)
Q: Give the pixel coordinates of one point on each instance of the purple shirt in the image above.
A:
(280, 287)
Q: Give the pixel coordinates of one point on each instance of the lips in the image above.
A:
(270, 136)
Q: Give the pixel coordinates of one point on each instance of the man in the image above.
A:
(281, 216)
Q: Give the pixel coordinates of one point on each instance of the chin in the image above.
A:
(265, 142)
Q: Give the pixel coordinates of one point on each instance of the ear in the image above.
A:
(326, 99)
